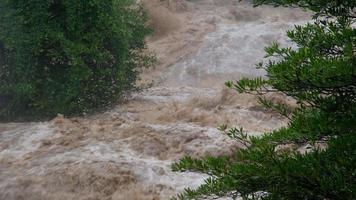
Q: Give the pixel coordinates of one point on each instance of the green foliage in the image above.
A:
(320, 74)
(63, 56)
(344, 8)
(319, 175)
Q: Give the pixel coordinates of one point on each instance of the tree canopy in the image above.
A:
(68, 57)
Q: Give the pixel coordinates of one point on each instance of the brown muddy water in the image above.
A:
(125, 153)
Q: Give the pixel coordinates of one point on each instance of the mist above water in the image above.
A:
(125, 152)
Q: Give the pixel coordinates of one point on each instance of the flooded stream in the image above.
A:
(125, 152)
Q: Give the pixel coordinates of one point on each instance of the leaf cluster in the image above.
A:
(62, 56)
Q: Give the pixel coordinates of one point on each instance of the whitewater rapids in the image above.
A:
(125, 152)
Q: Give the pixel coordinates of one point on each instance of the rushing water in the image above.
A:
(125, 152)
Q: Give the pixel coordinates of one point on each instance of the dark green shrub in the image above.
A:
(63, 56)
(321, 75)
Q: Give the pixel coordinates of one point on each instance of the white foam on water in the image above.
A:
(126, 152)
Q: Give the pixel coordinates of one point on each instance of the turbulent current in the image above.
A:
(125, 153)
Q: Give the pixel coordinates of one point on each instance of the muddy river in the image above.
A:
(125, 152)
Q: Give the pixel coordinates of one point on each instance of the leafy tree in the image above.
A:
(321, 75)
(63, 56)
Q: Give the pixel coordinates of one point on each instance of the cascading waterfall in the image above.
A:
(125, 152)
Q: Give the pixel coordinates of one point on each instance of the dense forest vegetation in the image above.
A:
(68, 57)
(321, 75)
